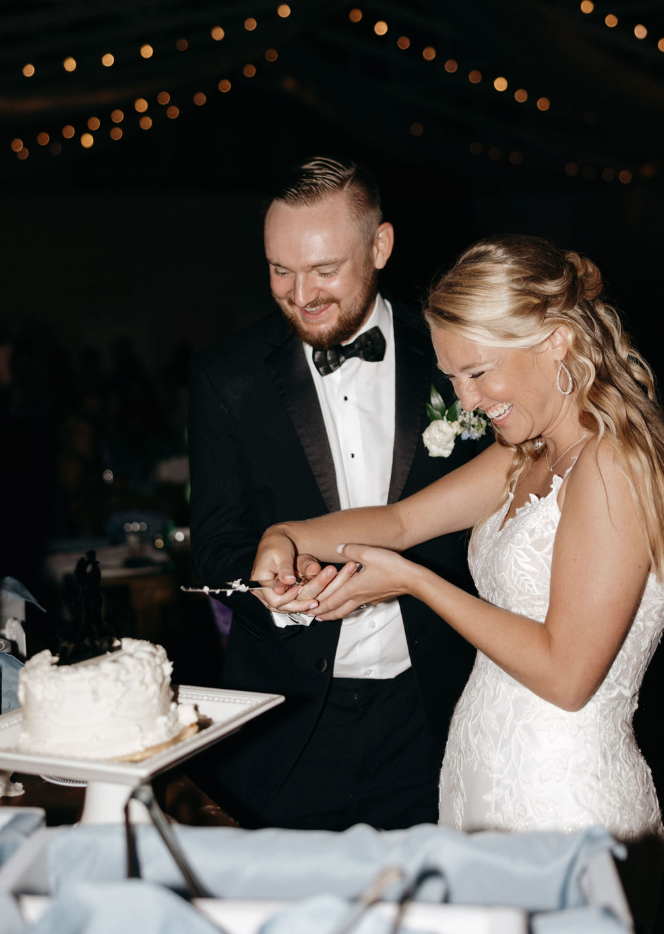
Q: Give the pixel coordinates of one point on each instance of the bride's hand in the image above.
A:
(384, 575)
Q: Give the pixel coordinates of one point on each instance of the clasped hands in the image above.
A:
(369, 576)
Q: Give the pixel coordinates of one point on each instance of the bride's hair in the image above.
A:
(514, 291)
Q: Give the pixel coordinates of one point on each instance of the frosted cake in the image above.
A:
(115, 706)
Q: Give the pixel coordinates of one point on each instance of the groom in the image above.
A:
(321, 406)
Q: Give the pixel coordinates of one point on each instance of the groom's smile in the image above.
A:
(324, 268)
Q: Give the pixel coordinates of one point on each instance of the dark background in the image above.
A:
(120, 258)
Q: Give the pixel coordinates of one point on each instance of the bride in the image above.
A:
(567, 549)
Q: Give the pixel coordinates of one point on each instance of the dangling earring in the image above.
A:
(570, 383)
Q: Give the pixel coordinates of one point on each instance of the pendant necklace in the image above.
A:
(546, 452)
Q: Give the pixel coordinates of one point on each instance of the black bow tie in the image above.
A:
(368, 346)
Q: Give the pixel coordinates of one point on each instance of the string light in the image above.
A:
(283, 10)
(163, 97)
(587, 6)
(28, 70)
(475, 76)
(429, 53)
(199, 98)
(55, 148)
(87, 140)
(182, 45)
(271, 55)
(69, 64)
(416, 129)
(107, 60)
(250, 24)
(140, 105)
(500, 84)
(43, 139)
(94, 123)
(625, 176)
(249, 71)
(521, 96)
(117, 116)
(543, 103)
(17, 145)
(172, 112)
(116, 132)
(217, 33)
(224, 85)
(611, 20)
(68, 131)
(23, 153)
(147, 51)
(355, 15)
(451, 66)
(640, 31)
(381, 27)
(403, 42)
(145, 122)
(494, 153)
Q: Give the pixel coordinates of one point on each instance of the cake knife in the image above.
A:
(242, 586)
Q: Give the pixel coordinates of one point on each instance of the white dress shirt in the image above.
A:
(357, 402)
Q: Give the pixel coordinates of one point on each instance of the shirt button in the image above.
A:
(367, 671)
(345, 398)
(352, 455)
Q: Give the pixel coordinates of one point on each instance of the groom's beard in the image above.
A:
(350, 318)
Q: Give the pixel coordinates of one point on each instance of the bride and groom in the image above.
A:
(566, 549)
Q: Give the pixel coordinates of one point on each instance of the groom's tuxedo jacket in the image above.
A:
(259, 455)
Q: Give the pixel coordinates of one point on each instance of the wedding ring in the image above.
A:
(363, 606)
(300, 618)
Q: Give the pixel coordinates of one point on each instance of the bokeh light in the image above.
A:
(107, 60)
(500, 84)
(28, 70)
(69, 64)
(217, 33)
(381, 27)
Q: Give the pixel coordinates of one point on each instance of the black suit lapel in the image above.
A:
(290, 372)
(413, 380)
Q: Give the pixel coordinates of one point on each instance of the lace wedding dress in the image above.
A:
(516, 762)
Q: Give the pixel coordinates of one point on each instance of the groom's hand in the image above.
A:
(300, 577)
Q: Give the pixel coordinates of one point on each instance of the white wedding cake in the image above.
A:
(114, 706)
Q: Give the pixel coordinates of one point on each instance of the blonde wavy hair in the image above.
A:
(514, 291)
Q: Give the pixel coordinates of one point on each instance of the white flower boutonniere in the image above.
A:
(448, 423)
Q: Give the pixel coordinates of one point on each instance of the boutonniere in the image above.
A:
(447, 423)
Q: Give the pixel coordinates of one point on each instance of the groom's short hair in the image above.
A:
(313, 181)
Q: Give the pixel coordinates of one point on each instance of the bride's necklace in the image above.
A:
(557, 461)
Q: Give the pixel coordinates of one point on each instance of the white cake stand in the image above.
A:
(109, 783)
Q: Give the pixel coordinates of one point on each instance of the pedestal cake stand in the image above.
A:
(110, 783)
